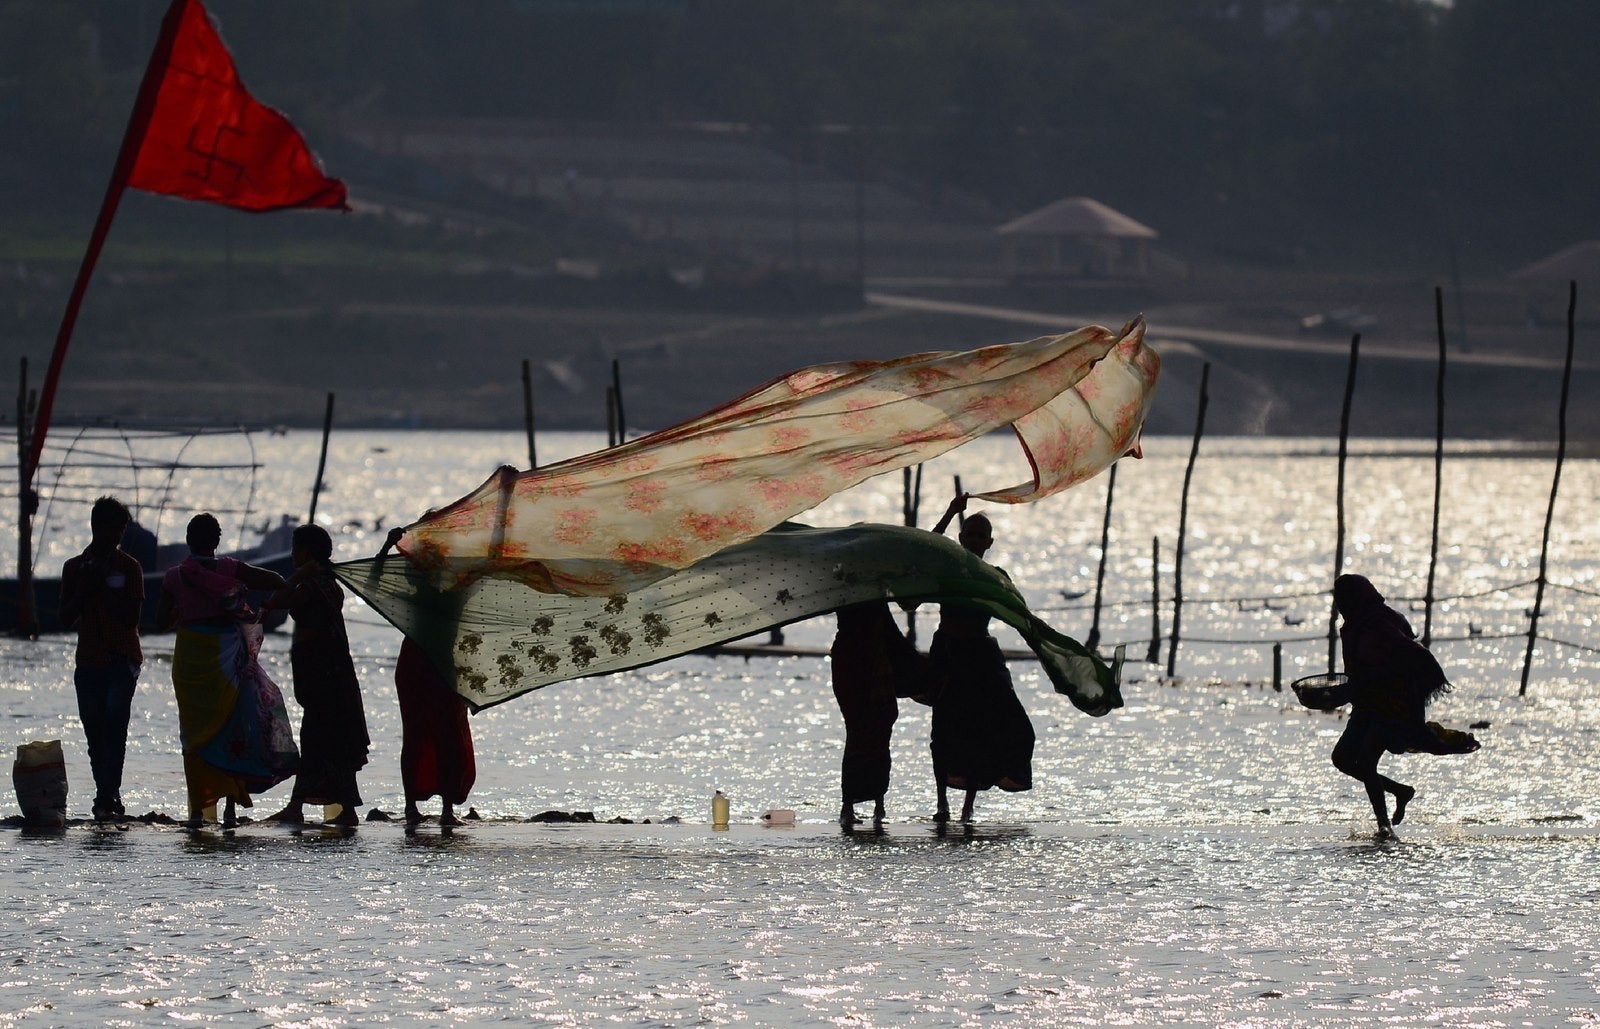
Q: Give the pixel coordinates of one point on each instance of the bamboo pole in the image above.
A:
(322, 461)
(1183, 522)
(1105, 548)
(910, 505)
(27, 504)
(616, 389)
(1555, 486)
(1344, 450)
(1438, 471)
(1154, 653)
(527, 412)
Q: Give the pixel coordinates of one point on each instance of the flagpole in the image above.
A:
(138, 122)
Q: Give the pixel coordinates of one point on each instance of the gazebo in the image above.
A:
(1077, 237)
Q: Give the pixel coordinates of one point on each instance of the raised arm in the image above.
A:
(957, 506)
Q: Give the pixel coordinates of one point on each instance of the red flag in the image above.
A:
(208, 139)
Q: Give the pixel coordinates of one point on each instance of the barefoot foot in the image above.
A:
(1402, 797)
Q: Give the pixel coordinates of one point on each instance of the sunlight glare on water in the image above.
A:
(1190, 858)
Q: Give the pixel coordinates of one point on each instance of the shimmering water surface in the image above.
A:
(1190, 858)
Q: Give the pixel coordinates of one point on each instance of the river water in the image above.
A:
(1191, 858)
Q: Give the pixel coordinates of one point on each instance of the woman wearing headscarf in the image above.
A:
(231, 718)
(1391, 680)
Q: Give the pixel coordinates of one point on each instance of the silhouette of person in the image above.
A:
(333, 724)
(102, 594)
(981, 736)
(1392, 679)
(231, 718)
(436, 757)
(872, 663)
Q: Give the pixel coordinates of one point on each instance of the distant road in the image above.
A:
(1423, 352)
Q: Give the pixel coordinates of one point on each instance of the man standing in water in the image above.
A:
(102, 593)
(981, 734)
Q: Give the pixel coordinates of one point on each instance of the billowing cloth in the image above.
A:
(436, 757)
(609, 523)
(872, 663)
(235, 730)
(333, 724)
(500, 638)
(980, 736)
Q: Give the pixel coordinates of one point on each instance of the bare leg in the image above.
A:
(1402, 797)
(447, 814)
(1380, 806)
(1356, 755)
(966, 807)
(229, 816)
(942, 812)
(877, 811)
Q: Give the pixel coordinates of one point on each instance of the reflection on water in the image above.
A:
(1191, 858)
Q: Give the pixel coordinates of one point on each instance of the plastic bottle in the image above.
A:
(719, 811)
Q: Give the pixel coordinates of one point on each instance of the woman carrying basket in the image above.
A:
(1391, 680)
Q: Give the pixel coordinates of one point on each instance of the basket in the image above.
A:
(1321, 692)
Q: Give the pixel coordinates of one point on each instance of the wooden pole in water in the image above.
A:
(616, 389)
(1344, 448)
(1555, 486)
(910, 501)
(27, 504)
(1154, 653)
(527, 412)
(322, 462)
(1105, 548)
(1183, 521)
(611, 416)
(1438, 470)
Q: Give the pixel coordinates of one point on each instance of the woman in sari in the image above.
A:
(873, 663)
(231, 718)
(333, 724)
(436, 757)
(981, 736)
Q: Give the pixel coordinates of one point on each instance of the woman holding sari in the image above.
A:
(333, 722)
(231, 718)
